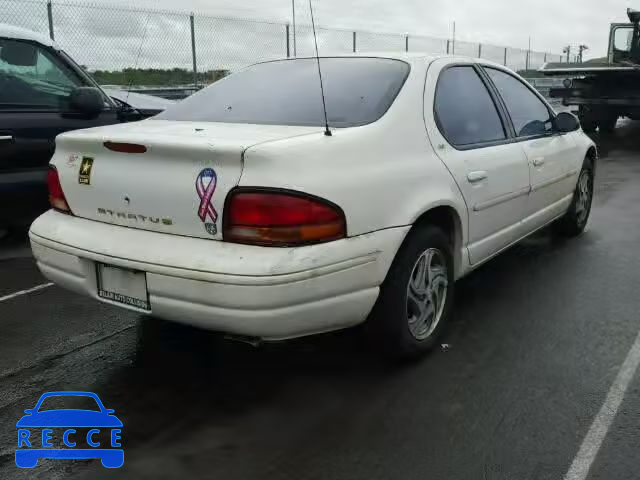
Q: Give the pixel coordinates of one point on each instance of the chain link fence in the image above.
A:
(166, 48)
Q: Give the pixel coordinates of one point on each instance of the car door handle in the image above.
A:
(475, 177)
(538, 162)
(6, 138)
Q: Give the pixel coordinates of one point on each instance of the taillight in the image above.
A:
(56, 195)
(276, 218)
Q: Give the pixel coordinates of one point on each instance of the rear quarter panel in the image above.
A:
(382, 175)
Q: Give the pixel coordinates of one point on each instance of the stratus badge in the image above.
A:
(84, 177)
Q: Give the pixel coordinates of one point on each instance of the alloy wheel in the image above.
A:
(427, 293)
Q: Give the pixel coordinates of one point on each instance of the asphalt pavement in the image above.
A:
(539, 337)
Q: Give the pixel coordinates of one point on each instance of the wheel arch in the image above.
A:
(592, 154)
(449, 220)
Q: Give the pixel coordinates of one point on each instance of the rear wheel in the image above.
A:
(575, 220)
(415, 299)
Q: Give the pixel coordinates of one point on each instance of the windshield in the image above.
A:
(358, 91)
(66, 402)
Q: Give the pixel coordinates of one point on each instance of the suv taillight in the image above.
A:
(56, 195)
(281, 219)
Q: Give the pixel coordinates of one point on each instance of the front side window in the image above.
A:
(464, 109)
(358, 91)
(32, 77)
(530, 116)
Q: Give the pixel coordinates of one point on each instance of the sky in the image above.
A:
(551, 24)
(102, 37)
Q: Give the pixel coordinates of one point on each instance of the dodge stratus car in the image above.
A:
(238, 211)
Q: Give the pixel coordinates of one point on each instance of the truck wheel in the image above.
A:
(415, 299)
(587, 120)
(575, 220)
(608, 124)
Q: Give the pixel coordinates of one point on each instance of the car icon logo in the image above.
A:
(36, 431)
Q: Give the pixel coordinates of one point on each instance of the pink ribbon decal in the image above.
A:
(206, 186)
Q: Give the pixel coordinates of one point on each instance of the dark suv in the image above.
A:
(43, 93)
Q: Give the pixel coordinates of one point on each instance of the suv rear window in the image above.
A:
(358, 91)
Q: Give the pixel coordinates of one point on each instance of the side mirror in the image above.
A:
(567, 122)
(88, 101)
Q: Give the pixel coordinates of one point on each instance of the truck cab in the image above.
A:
(624, 40)
(604, 89)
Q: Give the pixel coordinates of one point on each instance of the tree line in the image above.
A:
(156, 76)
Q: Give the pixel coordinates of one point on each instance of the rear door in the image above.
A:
(551, 155)
(468, 130)
(35, 82)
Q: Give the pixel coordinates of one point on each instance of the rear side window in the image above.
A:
(464, 110)
(358, 91)
(530, 116)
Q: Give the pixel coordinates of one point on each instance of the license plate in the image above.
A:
(120, 285)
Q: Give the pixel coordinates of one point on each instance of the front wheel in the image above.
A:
(415, 299)
(575, 220)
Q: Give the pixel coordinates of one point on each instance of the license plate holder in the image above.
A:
(123, 286)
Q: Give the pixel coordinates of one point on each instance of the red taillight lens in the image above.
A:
(56, 195)
(274, 218)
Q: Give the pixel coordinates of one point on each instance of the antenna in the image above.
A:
(144, 36)
(327, 132)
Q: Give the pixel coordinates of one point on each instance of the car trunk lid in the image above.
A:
(177, 186)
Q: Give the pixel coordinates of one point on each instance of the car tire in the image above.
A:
(26, 459)
(575, 220)
(414, 305)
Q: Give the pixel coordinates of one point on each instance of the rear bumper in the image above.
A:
(272, 293)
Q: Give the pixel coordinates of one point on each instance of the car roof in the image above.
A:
(410, 57)
(68, 394)
(18, 33)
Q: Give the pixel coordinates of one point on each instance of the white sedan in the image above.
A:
(237, 211)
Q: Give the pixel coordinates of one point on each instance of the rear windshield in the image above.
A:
(358, 91)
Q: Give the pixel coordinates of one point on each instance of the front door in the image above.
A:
(470, 137)
(551, 155)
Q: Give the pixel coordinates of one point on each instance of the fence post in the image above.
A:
(193, 51)
(448, 46)
(354, 42)
(505, 56)
(479, 50)
(50, 16)
(288, 44)
(545, 58)
(406, 43)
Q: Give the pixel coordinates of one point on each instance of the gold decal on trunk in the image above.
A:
(84, 177)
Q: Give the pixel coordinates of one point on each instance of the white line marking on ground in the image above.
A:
(24, 292)
(601, 424)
